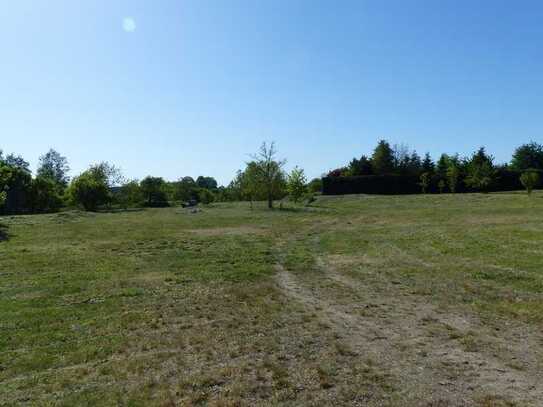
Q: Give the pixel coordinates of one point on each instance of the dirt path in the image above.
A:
(433, 356)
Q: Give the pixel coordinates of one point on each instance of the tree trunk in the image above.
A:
(270, 201)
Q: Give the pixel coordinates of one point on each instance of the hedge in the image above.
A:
(371, 184)
(506, 180)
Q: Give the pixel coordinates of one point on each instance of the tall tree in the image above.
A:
(153, 191)
(206, 182)
(270, 171)
(481, 172)
(428, 164)
(528, 156)
(382, 159)
(54, 166)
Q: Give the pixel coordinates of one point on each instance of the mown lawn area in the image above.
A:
(431, 300)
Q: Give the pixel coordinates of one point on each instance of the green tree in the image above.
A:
(89, 190)
(250, 183)
(207, 183)
(15, 186)
(528, 156)
(92, 188)
(441, 186)
(153, 191)
(45, 195)
(54, 166)
(425, 180)
(5, 175)
(453, 177)
(481, 172)
(530, 180)
(315, 185)
(428, 164)
(382, 160)
(443, 165)
(205, 196)
(296, 184)
(360, 166)
(270, 172)
(130, 194)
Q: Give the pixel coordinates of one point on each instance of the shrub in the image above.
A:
(530, 180)
(425, 179)
(296, 184)
(205, 196)
(45, 195)
(315, 185)
(129, 195)
(153, 190)
(89, 190)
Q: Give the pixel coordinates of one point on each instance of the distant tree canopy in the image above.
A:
(207, 183)
(153, 190)
(93, 188)
(528, 156)
(382, 160)
(54, 167)
(389, 169)
(449, 174)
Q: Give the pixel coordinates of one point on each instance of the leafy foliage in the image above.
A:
(481, 172)
(269, 171)
(55, 167)
(528, 156)
(153, 190)
(425, 179)
(92, 189)
(296, 184)
(530, 180)
(382, 160)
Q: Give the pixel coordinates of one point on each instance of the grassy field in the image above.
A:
(359, 300)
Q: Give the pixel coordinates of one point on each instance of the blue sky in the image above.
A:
(194, 86)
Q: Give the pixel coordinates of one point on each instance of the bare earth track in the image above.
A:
(398, 331)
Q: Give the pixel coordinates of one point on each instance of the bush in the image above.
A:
(205, 196)
(129, 195)
(425, 180)
(153, 190)
(89, 190)
(530, 180)
(45, 195)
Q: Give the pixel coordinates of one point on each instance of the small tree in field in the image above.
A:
(530, 180)
(296, 184)
(270, 172)
(425, 181)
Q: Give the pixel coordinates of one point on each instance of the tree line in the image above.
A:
(262, 179)
(100, 186)
(104, 186)
(451, 173)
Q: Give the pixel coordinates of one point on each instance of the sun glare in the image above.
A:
(129, 24)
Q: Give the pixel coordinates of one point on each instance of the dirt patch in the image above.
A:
(435, 358)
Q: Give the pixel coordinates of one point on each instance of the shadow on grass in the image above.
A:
(119, 210)
(3, 233)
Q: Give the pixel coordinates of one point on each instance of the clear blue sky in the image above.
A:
(192, 87)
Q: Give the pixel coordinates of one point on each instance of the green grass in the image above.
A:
(161, 306)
